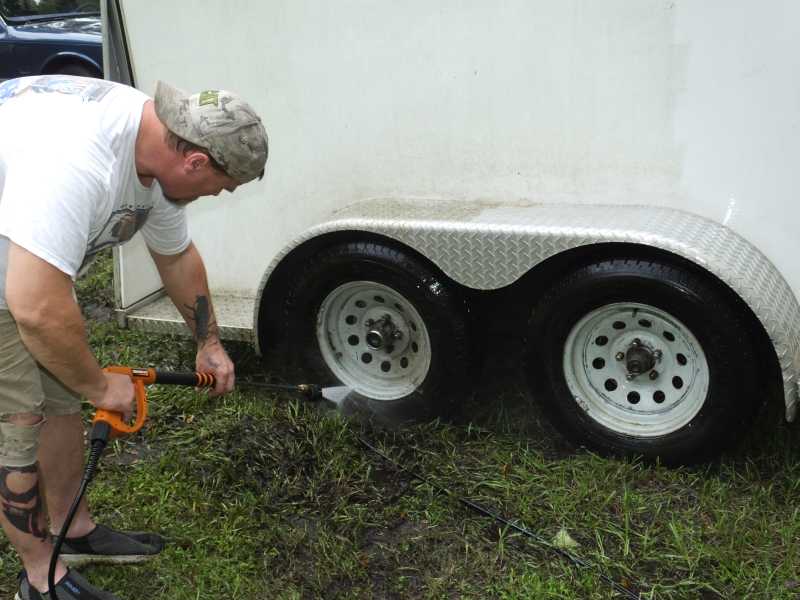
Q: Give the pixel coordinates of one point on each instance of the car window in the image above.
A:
(15, 9)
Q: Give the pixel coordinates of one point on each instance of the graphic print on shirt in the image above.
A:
(89, 90)
(119, 228)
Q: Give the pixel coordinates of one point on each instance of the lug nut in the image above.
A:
(369, 322)
(637, 342)
(630, 376)
(398, 335)
(620, 356)
(653, 375)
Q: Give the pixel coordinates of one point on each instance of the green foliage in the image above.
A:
(262, 496)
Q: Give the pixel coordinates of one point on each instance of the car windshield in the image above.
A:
(36, 9)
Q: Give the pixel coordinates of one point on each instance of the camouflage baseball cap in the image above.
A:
(219, 121)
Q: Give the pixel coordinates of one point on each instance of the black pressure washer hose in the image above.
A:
(488, 512)
(98, 442)
(109, 424)
(102, 431)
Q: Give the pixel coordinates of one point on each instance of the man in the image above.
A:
(85, 163)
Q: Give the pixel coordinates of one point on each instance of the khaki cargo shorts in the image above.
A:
(25, 388)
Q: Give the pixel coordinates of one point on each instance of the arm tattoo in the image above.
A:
(23, 509)
(204, 324)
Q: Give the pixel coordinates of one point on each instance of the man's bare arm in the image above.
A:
(40, 298)
(184, 279)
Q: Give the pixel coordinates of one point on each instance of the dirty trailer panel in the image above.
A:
(574, 122)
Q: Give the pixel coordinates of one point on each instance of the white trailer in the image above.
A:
(617, 179)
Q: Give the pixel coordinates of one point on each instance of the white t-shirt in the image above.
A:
(68, 182)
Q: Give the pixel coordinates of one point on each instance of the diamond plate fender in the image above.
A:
(487, 245)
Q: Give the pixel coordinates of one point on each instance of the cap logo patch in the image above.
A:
(209, 97)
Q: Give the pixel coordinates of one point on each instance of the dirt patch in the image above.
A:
(100, 313)
(132, 450)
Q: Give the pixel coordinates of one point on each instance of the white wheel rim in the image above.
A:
(390, 371)
(643, 406)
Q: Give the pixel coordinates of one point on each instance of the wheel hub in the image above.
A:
(641, 358)
(382, 333)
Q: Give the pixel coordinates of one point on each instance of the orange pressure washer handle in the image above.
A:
(141, 378)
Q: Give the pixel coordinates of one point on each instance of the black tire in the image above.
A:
(437, 301)
(702, 305)
(77, 69)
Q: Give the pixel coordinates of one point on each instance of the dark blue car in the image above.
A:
(50, 36)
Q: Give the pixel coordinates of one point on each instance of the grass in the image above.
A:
(262, 496)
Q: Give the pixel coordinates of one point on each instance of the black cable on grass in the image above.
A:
(98, 440)
(575, 560)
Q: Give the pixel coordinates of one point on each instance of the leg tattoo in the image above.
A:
(22, 509)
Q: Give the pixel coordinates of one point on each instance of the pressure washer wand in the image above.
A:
(310, 391)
